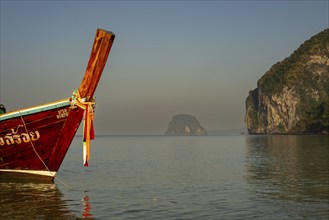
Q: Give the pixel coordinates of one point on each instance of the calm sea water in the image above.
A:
(160, 177)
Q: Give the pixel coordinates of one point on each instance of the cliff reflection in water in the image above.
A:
(289, 167)
(32, 201)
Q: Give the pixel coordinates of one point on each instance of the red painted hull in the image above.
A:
(38, 141)
(35, 140)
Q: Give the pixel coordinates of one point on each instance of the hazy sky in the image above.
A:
(169, 57)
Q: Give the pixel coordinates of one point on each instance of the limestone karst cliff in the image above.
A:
(185, 124)
(293, 96)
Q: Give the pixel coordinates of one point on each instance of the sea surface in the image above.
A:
(169, 177)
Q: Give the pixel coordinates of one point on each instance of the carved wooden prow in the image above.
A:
(98, 57)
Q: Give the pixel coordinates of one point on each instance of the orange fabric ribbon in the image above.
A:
(88, 133)
(88, 127)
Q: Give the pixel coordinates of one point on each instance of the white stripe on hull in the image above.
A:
(35, 172)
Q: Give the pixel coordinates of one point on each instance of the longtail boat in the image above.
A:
(35, 140)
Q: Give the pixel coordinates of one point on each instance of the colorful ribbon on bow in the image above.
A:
(88, 133)
(88, 127)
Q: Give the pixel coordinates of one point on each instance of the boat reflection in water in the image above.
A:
(86, 208)
(23, 199)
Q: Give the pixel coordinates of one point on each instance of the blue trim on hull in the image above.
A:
(36, 109)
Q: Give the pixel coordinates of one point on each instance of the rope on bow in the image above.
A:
(88, 127)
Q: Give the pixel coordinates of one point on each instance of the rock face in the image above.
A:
(184, 124)
(293, 96)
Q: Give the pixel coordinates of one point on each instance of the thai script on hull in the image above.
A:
(17, 138)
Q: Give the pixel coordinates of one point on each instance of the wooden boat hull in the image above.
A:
(35, 140)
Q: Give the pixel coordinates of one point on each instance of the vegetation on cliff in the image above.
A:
(293, 96)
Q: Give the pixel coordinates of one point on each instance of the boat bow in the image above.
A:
(35, 140)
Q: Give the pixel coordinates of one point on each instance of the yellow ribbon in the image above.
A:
(88, 133)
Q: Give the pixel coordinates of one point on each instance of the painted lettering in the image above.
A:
(62, 113)
(14, 137)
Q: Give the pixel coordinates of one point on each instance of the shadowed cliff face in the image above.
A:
(185, 125)
(293, 96)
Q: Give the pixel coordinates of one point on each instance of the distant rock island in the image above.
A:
(184, 124)
(293, 96)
